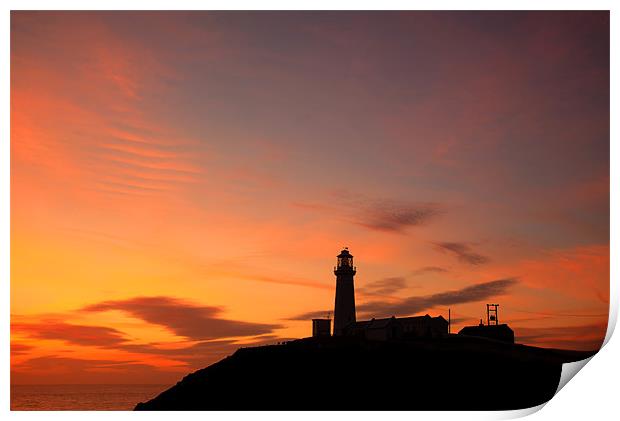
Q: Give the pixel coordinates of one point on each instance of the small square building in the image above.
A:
(321, 327)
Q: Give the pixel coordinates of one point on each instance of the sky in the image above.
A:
(181, 182)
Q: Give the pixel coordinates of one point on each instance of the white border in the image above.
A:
(593, 394)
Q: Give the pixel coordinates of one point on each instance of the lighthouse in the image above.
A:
(344, 311)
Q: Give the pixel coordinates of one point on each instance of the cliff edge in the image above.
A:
(341, 373)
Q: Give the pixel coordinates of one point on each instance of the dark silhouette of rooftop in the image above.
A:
(501, 332)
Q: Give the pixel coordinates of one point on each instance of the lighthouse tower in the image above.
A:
(344, 312)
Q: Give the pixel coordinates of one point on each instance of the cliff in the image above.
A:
(457, 372)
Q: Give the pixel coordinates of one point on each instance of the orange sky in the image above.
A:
(182, 182)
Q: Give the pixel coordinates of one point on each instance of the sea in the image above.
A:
(82, 397)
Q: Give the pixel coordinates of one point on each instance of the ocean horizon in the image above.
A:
(81, 397)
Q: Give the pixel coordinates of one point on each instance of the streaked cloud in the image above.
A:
(376, 214)
(429, 269)
(391, 216)
(183, 318)
(318, 314)
(412, 305)
(463, 252)
(19, 349)
(416, 304)
(70, 333)
(582, 337)
(385, 286)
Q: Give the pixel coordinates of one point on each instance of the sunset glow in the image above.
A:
(182, 182)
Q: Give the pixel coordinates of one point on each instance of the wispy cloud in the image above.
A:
(132, 363)
(183, 318)
(102, 102)
(463, 252)
(395, 217)
(134, 354)
(19, 349)
(385, 286)
(71, 333)
(310, 315)
(287, 281)
(583, 337)
(386, 215)
(412, 305)
(429, 269)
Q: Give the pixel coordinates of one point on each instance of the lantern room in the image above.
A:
(345, 261)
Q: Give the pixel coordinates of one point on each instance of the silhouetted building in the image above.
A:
(492, 330)
(345, 323)
(498, 332)
(321, 327)
(399, 328)
(344, 311)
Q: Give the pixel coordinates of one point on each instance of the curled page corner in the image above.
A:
(569, 370)
(518, 413)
